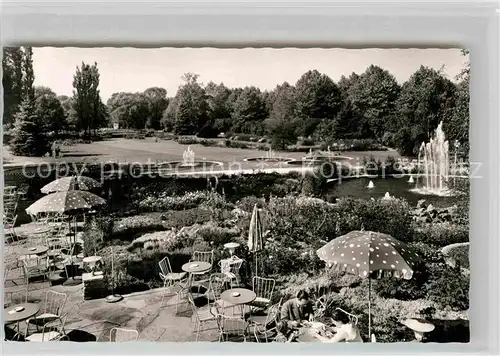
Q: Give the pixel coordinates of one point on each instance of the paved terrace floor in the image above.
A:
(92, 320)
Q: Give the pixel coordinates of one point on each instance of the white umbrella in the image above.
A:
(255, 234)
(70, 183)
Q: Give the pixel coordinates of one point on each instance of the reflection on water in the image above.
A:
(396, 187)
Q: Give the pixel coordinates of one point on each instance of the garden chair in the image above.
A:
(15, 295)
(353, 318)
(36, 267)
(172, 280)
(231, 270)
(264, 326)
(201, 256)
(122, 335)
(9, 222)
(263, 288)
(54, 304)
(231, 326)
(215, 288)
(200, 316)
(51, 331)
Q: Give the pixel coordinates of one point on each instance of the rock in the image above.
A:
(445, 216)
(419, 211)
(424, 219)
(421, 203)
(430, 209)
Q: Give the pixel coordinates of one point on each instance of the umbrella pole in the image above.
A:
(72, 281)
(369, 308)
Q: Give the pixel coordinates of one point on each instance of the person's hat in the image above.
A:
(419, 326)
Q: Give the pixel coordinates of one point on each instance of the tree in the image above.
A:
(28, 138)
(29, 75)
(317, 96)
(191, 109)
(281, 124)
(89, 110)
(168, 118)
(48, 110)
(67, 104)
(12, 81)
(130, 110)
(157, 103)
(249, 111)
(426, 99)
(373, 95)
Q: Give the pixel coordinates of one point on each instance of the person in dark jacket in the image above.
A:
(298, 309)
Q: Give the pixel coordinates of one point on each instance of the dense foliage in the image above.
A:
(370, 106)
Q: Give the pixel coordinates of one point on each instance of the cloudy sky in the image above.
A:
(133, 70)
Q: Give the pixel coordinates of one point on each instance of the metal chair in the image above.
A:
(263, 288)
(261, 324)
(172, 280)
(201, 256)
(52, 330)
(215, 288)
(54, 304)
(232, 326)
(15, 295)
(122, 335)
(231, 270)
(9, 222)
(200, 316)
(36, 267)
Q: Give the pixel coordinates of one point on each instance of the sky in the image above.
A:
(134, 70)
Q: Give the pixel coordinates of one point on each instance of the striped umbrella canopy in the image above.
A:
(255, 234)
(66, 202)
(369, 254)
(70, 183)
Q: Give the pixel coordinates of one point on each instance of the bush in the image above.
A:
(448, 287)
(183, 140)
(386, 216)
(163, 201)
(442, 234)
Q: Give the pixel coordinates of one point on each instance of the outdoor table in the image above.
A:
(41, 230)
(195, 267)
(92, 261)
(238, 296)
(36, 250)
(304, 336)
(25, 311)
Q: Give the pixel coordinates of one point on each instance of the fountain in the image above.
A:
(387, 196)
(188, 158)
(434, 156)
(411, 180)
(270, 155)
(371, 185)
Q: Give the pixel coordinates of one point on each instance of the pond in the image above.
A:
(397, 187)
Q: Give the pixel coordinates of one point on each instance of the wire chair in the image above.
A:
(353, 318)
(261, 324)
(172, 280)
(51, 331)
(263, 288)
(201, 256)
(54, 305)
(200, 316)
(215, 288)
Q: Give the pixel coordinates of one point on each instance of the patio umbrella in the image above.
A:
(255, 234)
(70, 183)
(367, 254)
(68, 202)
(65, 202)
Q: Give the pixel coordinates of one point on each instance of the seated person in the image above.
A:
(296, 310)
(346, 331)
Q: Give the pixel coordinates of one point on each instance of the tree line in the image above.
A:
(371, 105)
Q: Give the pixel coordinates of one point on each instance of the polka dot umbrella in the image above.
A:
(70, 183)
(66, 202)
(369, 254)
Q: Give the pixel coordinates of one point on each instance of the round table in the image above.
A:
(196, 267)
(36, 250)
(41, 230)
(11, 317)
(304, 336)
(245, 296)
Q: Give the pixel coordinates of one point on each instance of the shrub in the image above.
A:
(448, 287)
(390, 217)
(131, 227)
(186, 140)
(442, 234)
(163, 201)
